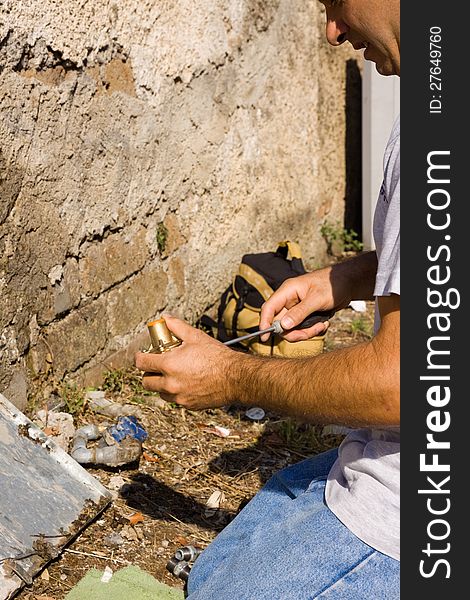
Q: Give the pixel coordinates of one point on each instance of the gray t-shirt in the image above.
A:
(363, 486)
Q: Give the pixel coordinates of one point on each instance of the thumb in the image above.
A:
(295, 315)
(179, 328)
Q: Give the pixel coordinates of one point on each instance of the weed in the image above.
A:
(300, 436)
(328, 344)
(361, 326)
(117, 381)
(73, 397)
(338, 239)
(126, 382)
(287, 429)
(162, 237)
(351, 241)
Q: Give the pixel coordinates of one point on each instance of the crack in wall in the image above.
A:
(41, 56)
(11, 182)
(6, 37)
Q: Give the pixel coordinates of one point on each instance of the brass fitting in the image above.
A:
(162, 338)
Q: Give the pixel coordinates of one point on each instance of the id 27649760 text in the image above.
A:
(435, 70)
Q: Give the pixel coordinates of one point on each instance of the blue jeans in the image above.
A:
(287, 545)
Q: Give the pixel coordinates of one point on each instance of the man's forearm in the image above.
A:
(360, 271)
(353, 386)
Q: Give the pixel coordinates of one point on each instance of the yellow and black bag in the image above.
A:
(258, 276)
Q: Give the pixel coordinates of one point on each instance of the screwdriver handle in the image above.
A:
(315, 317)
(276, 327)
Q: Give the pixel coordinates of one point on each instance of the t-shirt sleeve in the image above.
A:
(388, 271)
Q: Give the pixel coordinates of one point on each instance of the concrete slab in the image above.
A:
(46, 499)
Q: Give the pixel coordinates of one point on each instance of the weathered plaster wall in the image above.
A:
(222, 120)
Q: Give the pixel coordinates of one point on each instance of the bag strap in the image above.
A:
(256, 280)
(238, 307)
(287, 247)
(292, 248)
(207, 324)
(221, 333)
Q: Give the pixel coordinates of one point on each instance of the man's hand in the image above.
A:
(331, 288)
(295, 300)
(193, 374)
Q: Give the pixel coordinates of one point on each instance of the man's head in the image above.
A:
(370, 24)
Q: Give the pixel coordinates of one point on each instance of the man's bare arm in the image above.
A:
(357, 386)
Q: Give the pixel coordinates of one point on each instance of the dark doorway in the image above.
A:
(353, 197)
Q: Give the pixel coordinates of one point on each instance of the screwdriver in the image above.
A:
(276, 327)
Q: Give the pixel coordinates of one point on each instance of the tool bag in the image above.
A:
(258, 276)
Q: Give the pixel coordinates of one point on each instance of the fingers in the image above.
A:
(296, 315)
(291, 312)
(152, 382)
(298, 335)
(180, 328)
(270, 309)
(187, 374)
(187, 333)
(289, 297)
(291, 318)
(275, 307)
(147, 361)
(168, 397)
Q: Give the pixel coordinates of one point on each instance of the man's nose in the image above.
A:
(336, 31)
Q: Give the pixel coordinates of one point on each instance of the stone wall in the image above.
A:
(144, 147)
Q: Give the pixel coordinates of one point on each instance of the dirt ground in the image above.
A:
(160, 504)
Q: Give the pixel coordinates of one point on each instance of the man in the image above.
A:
(327, 527)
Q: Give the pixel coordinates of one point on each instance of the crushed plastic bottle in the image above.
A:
(127, 426)
(117, 445)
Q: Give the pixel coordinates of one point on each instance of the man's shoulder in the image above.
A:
(392, 151)
(395, 133)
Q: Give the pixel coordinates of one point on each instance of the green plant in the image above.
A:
(351, 241)
(329, 344)
(362, 326)
(73, 397)
(288, 429)
(127, 383)
(119, 380)
(297, 435)
(162, 237)
(339, 239)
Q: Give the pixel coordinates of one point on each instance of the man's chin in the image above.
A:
(381, 69)
(384, 67)
(385, 70)
(383, 64)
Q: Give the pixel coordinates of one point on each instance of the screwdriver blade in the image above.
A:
(275, 327)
